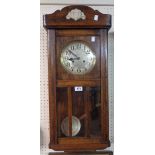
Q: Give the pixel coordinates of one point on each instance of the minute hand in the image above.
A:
(73, 53)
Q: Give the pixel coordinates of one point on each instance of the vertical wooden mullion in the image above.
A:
(104, 86)
(52, 86)
(70, 110)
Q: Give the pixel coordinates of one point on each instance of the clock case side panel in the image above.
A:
(52, 87)
(104, 86)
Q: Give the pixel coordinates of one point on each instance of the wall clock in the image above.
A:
(78, 78)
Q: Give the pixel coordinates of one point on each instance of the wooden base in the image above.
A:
(83, 153)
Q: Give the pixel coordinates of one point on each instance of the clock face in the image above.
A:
(78, 58)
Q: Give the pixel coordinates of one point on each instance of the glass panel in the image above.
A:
(95, 112)
(62, 109)
(85, 108)
(78, 110)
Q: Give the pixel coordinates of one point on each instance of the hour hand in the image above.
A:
(72, 59)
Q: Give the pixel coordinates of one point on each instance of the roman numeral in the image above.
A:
(72, 47)
(78, 46)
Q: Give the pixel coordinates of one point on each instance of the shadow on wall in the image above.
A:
(41, 138)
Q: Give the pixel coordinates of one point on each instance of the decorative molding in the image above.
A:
(76, 14)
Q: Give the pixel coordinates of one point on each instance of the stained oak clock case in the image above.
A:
(78, 78)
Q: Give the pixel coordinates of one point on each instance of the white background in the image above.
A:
(90, 2)
(134, 78)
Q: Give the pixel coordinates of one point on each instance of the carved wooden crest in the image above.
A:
(76, 14)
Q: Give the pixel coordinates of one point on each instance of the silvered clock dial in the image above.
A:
(78, 58)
